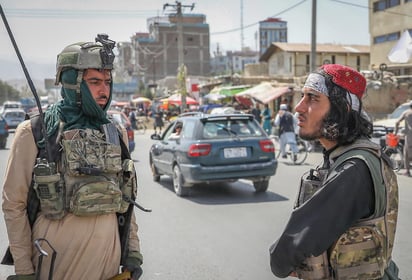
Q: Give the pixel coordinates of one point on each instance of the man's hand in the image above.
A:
(133, 264)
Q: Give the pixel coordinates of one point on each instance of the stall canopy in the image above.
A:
(229, 90)
(264, 92)
(214, 96)
(139, 100)
(177, 99)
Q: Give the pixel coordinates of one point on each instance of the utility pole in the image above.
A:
(180, 55)
(242, 37)
(313, 39)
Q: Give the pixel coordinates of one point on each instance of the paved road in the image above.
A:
(222, 231)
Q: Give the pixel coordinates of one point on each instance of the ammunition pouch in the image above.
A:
(49, 190)
(97, 197)
(315, 268)
(359, 253)
(310, 183)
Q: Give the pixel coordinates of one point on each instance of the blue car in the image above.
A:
(213, 148)
(4, 133)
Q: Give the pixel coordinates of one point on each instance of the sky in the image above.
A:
(42, 28)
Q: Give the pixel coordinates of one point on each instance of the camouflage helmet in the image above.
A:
(85, 55)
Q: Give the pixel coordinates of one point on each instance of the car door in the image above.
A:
(163, 151)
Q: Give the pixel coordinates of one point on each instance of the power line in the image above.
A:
(371, 8)
(57, 13)
(255, 23)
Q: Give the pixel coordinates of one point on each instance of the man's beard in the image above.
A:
(316, 134)
(325, 128)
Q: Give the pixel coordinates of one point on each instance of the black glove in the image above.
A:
(133, 264)
(22, 277)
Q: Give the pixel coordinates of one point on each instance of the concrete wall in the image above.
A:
(380, 102)
(283, 63)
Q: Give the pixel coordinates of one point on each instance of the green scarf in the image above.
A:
(89, 115)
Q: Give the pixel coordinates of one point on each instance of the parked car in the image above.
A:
(383, 126)
(4, 133)
(12, 105)
(14, 117)
(121, 119)
(213, 148)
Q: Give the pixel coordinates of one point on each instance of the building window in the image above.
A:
(393, 3)
(385, 4)
(358, 63)
(386, 38)
(333, 59)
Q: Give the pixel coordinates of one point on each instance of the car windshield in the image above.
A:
(398, 111)
(14, 115)
(224, 128)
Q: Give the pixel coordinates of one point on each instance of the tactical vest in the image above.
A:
(364, 250)
(89, 179)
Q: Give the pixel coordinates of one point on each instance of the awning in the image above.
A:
(138, 100)
(229, 90)
(177, 99)
(264, 92)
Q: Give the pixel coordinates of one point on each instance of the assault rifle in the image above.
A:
(33, 201)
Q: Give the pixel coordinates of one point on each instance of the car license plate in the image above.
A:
(235, 152)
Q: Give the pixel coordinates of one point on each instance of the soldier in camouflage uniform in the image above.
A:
(344, 220)
(81, 185)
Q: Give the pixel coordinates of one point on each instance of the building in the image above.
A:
(293, 59)
(387, 21)
(157, 53)
(238, 59)
(233, 61)
(271, 30)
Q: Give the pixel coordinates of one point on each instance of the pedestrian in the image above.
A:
(79, 182)
(407, 147)
(256, 112)
(266, 118)
(344, 219)
(158, 121)
(286, 123)
(133, 119)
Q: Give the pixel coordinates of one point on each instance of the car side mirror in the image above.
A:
(155, 136)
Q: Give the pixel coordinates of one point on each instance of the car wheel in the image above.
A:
(261, 186)
(178, 181)
(155, 173)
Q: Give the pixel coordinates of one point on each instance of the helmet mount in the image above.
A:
(106, 53)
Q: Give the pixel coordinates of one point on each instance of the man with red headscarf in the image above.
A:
(344, 219)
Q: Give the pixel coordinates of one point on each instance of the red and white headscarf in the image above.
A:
(345, 77)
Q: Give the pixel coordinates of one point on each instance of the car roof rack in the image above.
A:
(190, 114)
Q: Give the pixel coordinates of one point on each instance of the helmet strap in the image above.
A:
(78, 82)
(76, 87)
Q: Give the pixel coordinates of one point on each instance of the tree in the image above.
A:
(8, 92)
(181, 85)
